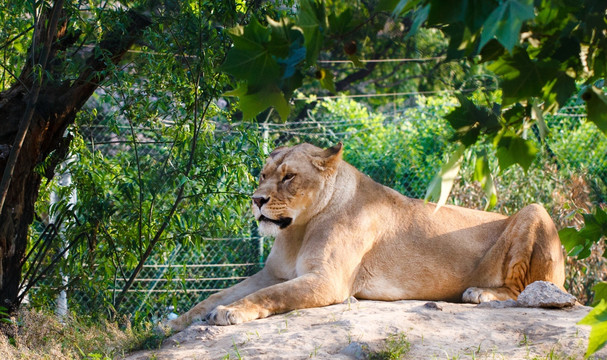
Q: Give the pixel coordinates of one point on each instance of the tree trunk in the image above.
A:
(44, 145)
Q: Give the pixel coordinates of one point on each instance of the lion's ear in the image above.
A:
(329, 157)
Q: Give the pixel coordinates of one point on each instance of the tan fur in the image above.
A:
(350, 236)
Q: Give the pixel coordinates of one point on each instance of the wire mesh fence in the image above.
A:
(400, 148)
(189, 276)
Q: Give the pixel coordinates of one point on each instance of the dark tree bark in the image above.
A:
(54, 109)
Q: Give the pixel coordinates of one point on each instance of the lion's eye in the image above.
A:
(262, 177)
(288, 177)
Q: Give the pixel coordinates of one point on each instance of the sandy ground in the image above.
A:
(349, 331)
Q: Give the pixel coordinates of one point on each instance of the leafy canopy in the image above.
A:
(542, 51)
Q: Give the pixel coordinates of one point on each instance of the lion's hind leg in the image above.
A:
(528, 250)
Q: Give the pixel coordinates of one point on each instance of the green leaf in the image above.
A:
(239, 91)
(402, 6)
(461, 20)
(600, 293)
(570, 239)
(342, 23)
(356, 61)
(596, 106)
(456, 13)
(512, 149)
(521, 78)
(254, 103)
(592, 230)
(281, 38)
(313, 22)
(254, 33)
(469, 121)
(579, 243)
(597, 319)
(505, 22)
(388, 5)
(601, 217)
(538, 116)
(249, 59)
(599, 63)
(327, 80)
(558, 90)
(419, 17)
(182, 179)
(289, 85)
(515, 115)
(441, 184)
(482, 174)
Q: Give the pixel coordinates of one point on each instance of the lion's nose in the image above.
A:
(260, 200)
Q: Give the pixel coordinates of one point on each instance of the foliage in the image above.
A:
(597, 319)
(121, 202)
(13, 39)
(537, 71)
(397, 150)
(40, 335)
(152, 169)
(4, 315)
(580, 243)
(303, 51)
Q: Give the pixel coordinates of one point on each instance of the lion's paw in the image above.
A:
(477, 295)
(174, 325)
(223, 315)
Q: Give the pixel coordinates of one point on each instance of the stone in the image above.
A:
(356, 350)
(545, 294)
(432, 306)
(497, 304)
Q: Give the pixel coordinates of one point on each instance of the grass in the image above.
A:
(396, 347)
(34, 334)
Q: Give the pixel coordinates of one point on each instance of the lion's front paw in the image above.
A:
(174, 325)
(477, 295)
(223, 315)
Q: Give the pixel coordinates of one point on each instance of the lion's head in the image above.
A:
(294, 185)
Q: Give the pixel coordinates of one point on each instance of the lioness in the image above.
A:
(339, 234)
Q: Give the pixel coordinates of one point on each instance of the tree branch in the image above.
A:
(31, 104)
(112, 48)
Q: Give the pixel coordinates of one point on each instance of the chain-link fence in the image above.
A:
(188, 276)
(399, 148)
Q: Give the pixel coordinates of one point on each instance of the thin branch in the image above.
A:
(15, 77)
(54, 261)
(16, 37)
(42, 246)
(112, 243)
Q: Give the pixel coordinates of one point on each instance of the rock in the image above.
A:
(356, 350)
(545, 294)
(432, 306)
(496, 304)
(351, 331)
